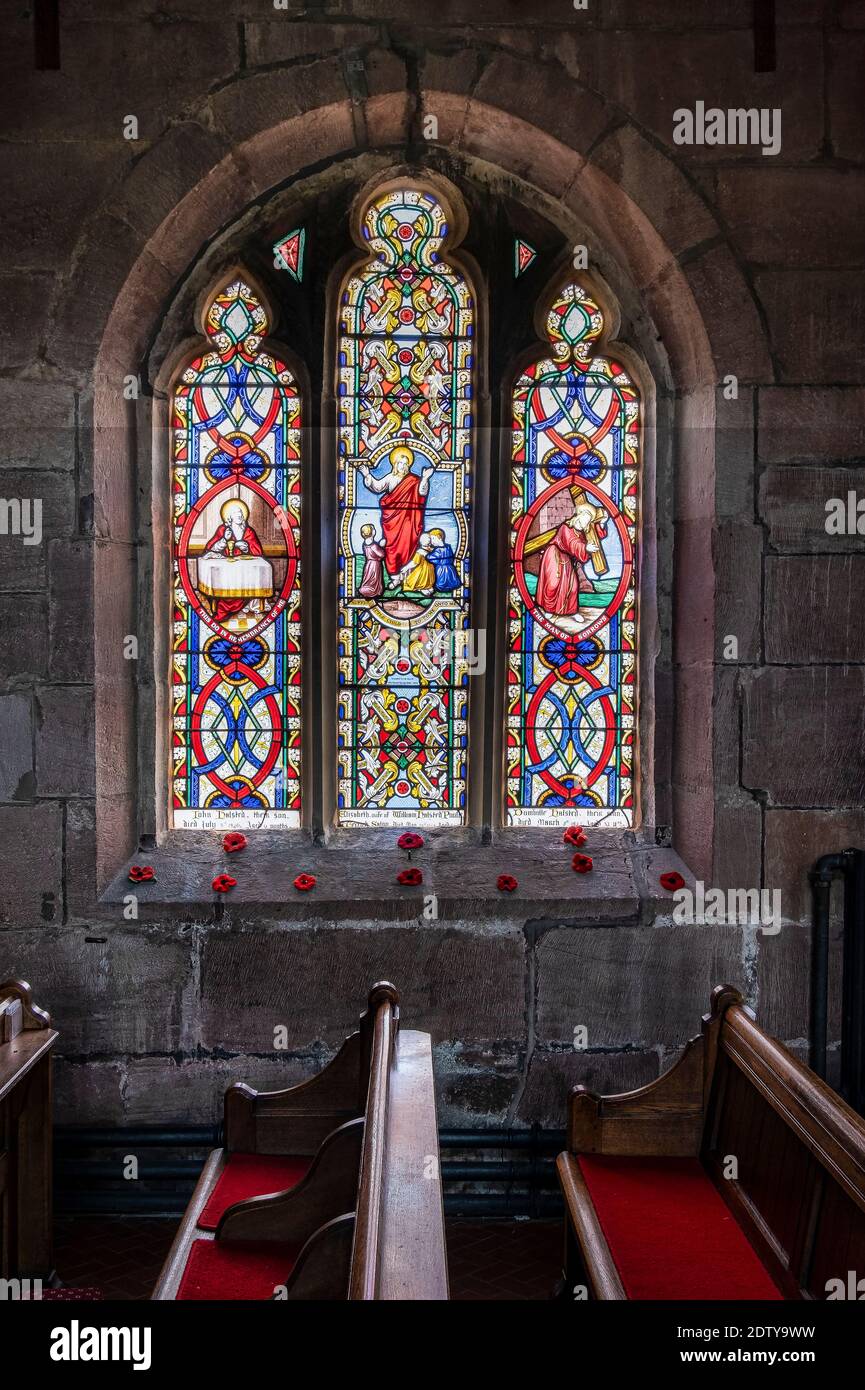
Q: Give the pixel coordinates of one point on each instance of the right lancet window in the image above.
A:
(570, 741)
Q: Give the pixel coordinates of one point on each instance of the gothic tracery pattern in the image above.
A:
(236, 577)
(405, 377)
(572, 609)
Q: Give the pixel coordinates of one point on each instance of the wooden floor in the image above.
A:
(489, 1260)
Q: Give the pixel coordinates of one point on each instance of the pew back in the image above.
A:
(297, 1119)
(26, 1040)
(783, 1151)
(799, 1188)
(367, 1216)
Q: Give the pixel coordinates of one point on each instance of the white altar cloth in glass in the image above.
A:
(235, 576)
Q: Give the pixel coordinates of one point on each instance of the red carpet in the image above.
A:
(242, 1270)
(250, 1175)
(669, 1232)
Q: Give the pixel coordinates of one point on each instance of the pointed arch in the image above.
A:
(406, 390)
(236, 632)
(572, 614)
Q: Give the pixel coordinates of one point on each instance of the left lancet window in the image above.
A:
(236, 631)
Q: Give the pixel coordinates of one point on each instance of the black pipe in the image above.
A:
(521, 1174)
(81, 1170)
(484, 1205)
(821, 876)
(154, 1136)
(210, 1136)
(553, 1140)
(852, 1081)
(189, 1169)
(489, 1205)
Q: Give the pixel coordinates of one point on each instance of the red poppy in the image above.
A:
(410, 840)
(574, 835)
(233, 841)
(304, 882)
(506, 883)
(410, 877)
(581, 863)
(141, 873)
(672, 881)
(223, 882)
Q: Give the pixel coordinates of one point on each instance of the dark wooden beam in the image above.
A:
(46, 35)
(764, 35)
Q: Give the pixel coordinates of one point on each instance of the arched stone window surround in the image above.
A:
(585, 194)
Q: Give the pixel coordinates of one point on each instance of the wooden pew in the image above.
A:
(26, 1040)
(737, 1174)
(362, 1215)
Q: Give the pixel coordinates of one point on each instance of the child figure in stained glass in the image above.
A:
(418, 576)
(441, 556)
(374, 551)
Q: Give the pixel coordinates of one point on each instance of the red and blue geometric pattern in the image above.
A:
(572, 612)
(236, 648)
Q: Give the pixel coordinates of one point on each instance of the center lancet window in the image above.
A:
(405, 389)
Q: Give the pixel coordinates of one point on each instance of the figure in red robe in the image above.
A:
(561, 578)
(234, 537)
(403, 504)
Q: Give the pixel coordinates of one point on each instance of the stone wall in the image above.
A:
(737, 264)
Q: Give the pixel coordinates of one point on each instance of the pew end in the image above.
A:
(710, 1138)
(299, 1118)
(664, 1117)
(26, 1210)
(363, 1218)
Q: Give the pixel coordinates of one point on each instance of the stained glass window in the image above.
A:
(405, 374)
(572, 608)
(235, 718)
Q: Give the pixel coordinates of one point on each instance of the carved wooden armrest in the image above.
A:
(327, 1190)
(664, 1117)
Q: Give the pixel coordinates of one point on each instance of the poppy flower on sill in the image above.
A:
(581, 863)
(409, 878)
(141, 873)
(223, 882)
(672, 881)
(233, 841)
(410, 840)
(506, 883)
(574, 835)
(304, 882)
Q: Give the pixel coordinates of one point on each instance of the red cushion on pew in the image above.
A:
(250, 1175)
(669, 1231)
(235, 1270)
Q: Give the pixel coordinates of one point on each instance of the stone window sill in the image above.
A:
(356, 871)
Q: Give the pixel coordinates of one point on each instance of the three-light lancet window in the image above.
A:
(406, 388)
